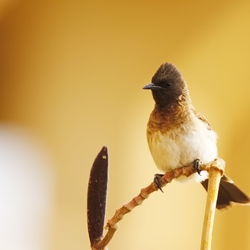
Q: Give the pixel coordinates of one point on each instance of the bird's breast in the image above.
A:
(181, 146)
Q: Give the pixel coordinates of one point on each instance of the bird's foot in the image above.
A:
(196, 165)
(157, 181)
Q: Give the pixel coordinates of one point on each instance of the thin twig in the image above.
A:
(144, 193)
(215, 173)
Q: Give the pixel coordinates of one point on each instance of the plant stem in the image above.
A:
(215, 173)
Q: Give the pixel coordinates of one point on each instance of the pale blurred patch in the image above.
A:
(26, 191)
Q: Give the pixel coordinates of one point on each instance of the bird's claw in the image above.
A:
(196, 165)
(157, 181)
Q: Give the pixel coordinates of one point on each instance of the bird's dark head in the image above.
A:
(167, 85)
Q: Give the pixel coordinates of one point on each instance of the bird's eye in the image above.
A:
(165, 84)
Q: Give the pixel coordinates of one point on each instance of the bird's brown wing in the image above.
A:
(202, 118)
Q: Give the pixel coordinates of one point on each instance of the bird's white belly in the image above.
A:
(178, 147)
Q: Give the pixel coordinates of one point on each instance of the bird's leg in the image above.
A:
(196, 165)
(157, 181)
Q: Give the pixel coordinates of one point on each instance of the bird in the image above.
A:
(178, 135)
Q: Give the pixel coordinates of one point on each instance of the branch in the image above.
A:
(215, 173)
(144, 193)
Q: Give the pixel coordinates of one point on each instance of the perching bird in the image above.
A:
(177, 135)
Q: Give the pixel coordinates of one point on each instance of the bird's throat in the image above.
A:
(170, 114)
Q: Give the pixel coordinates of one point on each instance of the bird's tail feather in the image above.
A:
(228, 193)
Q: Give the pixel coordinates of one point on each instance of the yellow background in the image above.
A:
(71, 73)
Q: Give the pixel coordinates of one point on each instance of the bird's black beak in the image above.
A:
(151, 86)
